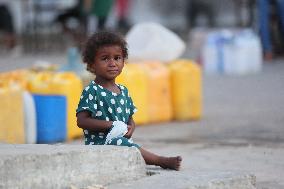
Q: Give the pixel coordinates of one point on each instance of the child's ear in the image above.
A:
(90, 68)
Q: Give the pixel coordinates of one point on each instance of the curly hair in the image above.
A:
(99, 40)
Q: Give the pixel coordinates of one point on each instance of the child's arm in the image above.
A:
(85, 121)
(131, 127)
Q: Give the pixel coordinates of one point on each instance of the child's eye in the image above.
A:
(105, 58)
(108, 59)
(118, 58)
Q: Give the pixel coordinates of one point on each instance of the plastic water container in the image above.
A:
(69, 85)
(232, 53)
(159, 94)
(73, 61)
(209, 55)
(11, 114)
(41, 83)
(18, 77)
(215, 50)
(17, 80)
(245, 55)
(134, 77)
(74, 64)
(51, 118)
(30, 118)
(186, 88)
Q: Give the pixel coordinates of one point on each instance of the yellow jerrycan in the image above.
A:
(186, 84)
(19, 77)
(70, 85)
(159, 94)
(40, 83)
(12, 129)
(134, 78)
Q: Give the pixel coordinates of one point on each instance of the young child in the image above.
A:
(105, 109)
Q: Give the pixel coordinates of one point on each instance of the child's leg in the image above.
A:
(150, 158)
(164, 162)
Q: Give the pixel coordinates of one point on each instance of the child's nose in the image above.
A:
(111, 62)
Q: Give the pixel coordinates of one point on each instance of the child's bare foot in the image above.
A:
(171, 162)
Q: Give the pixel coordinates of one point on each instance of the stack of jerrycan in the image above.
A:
(232, 52)
(134, 78)
(159, 92)
(22, 77)
(56, 95)
(18, 123)
(186, 88)
(69, 85)
(50, 109)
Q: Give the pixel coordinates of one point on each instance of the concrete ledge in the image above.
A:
(65, 166)
(192, 180)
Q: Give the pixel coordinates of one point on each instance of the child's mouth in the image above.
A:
(113, 71)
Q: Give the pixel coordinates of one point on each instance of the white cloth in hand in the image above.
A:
(119, 129)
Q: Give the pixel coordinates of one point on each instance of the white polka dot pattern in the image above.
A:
(105, 104)
(99, 113)
(112, 101)
(119, 110)
(109, 110)
(119, 141)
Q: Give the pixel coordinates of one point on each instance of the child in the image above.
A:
(105, 109)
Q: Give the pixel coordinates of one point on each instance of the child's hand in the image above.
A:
(130, 131)
(118, 130)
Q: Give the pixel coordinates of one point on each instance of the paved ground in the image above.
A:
(242, 128)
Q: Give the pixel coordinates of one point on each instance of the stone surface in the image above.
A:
(63, 166)
(192, 180)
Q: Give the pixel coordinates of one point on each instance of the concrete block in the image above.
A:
(192, 180)
(67, 166)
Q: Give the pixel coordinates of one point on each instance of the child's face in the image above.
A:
(108, 62)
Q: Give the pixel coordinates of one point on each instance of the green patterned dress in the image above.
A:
(106, 105)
